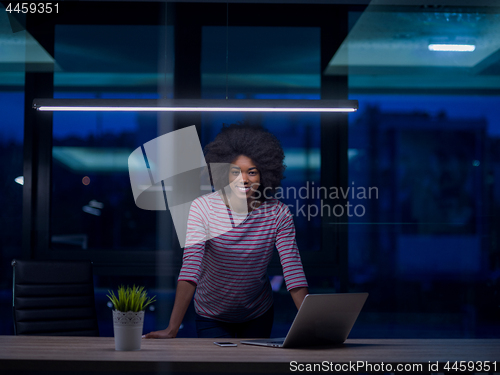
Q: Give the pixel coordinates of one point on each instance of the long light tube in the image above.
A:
(195, 105)
(452, 47)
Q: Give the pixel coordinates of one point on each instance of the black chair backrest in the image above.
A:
(54, 298)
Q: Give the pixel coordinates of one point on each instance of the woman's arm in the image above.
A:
(293, 271)
(183, 296)
(298, 295)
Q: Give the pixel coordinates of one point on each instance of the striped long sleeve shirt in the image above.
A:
(227, 255)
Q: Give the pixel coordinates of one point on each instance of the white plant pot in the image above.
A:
(127, 327)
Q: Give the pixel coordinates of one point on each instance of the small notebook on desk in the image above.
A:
(323, 319)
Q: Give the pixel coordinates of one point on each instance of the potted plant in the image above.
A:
(128, 316)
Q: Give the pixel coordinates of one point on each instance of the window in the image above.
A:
(92, 202)
(425, 138)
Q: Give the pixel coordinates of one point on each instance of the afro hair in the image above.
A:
(252, 141)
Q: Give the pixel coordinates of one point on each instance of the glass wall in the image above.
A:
(422, 156)
(93, 209)
(425, 139)
(12, 58)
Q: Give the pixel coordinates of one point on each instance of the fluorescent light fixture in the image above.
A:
(19, 180)
(196, 105)
(452, 47)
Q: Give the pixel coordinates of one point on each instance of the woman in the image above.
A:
(231, 238)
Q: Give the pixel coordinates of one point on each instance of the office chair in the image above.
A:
(53, 298)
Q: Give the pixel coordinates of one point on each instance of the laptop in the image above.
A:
(323, 319)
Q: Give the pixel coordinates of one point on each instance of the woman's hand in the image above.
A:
(298, 295)
(183, 296)
(167, 333)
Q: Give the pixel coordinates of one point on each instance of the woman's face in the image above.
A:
(244, 177)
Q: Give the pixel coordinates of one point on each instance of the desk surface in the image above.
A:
(201, 355)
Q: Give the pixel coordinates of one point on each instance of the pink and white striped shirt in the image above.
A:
(227, 255)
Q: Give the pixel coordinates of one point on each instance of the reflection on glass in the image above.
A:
(93, 167)
(91, 194)
(429, 231)
(426, 137)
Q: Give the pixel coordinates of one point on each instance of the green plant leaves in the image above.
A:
(130, 299)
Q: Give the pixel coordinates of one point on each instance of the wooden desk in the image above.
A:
(201, 355)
